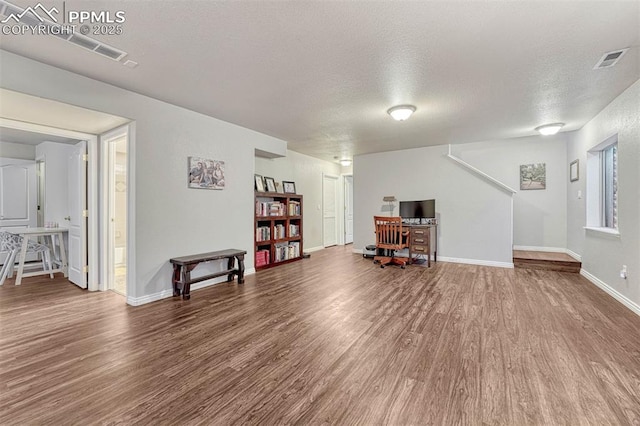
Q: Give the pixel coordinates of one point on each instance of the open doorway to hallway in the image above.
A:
(117, 177)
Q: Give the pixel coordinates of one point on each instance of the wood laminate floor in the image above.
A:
(332, 339)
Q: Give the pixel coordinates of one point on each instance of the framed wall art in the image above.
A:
(270, 183)
(533, 176)
(206, 173)
(259, 183)
(289, 187)
(574, 171)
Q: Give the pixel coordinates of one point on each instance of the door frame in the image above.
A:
(129, 130)
(344, 206)
(338, 239)
(92, 187)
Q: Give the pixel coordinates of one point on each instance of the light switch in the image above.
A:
(579, 195)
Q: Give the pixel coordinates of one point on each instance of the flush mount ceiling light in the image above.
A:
(549, 129)
(401, 112)
(345, 162)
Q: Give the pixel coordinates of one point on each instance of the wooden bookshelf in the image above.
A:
(277, 229)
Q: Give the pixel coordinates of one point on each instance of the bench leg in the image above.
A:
(186, 279)
(240, 258)
(230, 264)
(175, 279)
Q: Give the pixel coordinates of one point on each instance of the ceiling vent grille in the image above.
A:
(7, 9)
(609, 59)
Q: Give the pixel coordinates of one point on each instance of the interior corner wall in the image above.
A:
(603, 255)
(170, 219)
(539, 216)
(475, 220)
(307, 173)
(17, 150)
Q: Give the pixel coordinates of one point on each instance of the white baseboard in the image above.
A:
(573, 254)
(611, 291)
(476, 262)
(538, 248)
(137, 301)
(165, 294)
(312, 249)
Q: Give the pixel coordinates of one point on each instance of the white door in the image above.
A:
(17, 196)
(77, 221)
(348, 209)
(330, 210)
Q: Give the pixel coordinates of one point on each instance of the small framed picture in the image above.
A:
(259, 183)
(270, 183)
(289, 187)
(574, 171)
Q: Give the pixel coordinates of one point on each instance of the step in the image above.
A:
(544, 260)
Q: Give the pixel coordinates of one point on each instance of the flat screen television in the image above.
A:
(425, 209)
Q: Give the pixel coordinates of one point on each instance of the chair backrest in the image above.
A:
(9, 241)
(388, 232)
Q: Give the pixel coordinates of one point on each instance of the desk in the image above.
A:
(26, 233)
(420, 241)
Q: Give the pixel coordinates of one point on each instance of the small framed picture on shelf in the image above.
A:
(279, 187)
(259, 183)
(270, 184)
(289, 187)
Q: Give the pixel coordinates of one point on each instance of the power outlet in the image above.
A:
(623, 272)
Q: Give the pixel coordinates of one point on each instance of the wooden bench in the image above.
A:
(182, 267)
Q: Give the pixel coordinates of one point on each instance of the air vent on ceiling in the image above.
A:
(609, 59)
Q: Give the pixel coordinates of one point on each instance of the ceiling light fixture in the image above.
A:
(549, 129)
(345, 162)
(401, 112)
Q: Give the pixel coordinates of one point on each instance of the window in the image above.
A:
(609, 158)
(602, 187)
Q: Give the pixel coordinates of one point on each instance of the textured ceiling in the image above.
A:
(322, 74)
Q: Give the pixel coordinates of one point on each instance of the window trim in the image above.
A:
(595, 182)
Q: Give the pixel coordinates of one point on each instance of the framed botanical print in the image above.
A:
(259, 183)
(289, 187)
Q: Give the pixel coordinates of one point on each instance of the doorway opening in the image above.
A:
(348, 209)
(117, 188)
(40, 185)
(330, 210)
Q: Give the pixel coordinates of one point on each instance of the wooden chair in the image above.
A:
(389, 237)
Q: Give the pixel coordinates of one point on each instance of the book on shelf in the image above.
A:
(286, 251)
(294, 208)
(263, 233)
(262, 257)
(269, 208)
(294, 230)
(278, 230)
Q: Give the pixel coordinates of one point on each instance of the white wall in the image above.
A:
(603, 255)
(56, 181)
(306, 172)
(169, 219)
(539, 216)
(17, 150)
(474, 215)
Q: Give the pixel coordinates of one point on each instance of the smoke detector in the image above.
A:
(609, 59)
